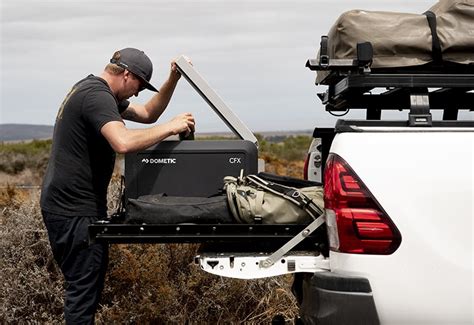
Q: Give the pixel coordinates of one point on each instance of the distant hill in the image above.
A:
(22, 132)
(19, 132)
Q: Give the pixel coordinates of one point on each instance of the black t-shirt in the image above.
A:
(81, 161)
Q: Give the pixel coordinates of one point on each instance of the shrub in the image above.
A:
(145, 283)
(160, 284)
(293, 148)
(16, 157)
(31, 282)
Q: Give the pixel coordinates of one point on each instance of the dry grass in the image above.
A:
(274, 165)
(31, 282)
(145, 283)
(160, 284)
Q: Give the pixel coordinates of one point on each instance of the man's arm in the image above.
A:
(152, 110)
(124, 140)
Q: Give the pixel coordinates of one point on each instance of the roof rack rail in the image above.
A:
(354, 84)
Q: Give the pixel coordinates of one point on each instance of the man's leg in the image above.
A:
(83, 266)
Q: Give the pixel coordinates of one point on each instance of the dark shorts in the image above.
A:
(83, 265)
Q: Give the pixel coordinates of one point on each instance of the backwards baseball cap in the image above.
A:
(137, 62)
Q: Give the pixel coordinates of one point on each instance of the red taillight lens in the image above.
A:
(356, 222)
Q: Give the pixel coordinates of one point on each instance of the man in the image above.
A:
(89, 130)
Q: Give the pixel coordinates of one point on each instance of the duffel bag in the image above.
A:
(263, 198)
(443, 33)
(161, 209)
(253, 199)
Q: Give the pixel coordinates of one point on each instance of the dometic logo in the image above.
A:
(159, 161)
(235, 160)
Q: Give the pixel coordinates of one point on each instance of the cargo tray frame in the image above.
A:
(224, 235)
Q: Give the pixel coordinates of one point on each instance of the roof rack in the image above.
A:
(352, 85)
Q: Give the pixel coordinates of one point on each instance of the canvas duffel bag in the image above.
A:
(161, 209)
(263, 198)
(405, 39)
(253, 199)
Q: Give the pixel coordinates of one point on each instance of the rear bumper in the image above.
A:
(328, 298)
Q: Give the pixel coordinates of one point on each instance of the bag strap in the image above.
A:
(234, 205)
(436, 45)
(259, 205)
(291, 194)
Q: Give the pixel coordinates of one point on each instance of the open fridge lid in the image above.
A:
(214, 101)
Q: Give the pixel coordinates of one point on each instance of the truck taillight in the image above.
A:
(356, 222)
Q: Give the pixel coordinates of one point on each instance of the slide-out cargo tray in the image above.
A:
(259, 234)
(218, 237)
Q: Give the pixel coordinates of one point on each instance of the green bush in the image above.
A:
(292, 148)
(16, 157)
(28, 147)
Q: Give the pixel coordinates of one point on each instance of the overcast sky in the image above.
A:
(251, 52)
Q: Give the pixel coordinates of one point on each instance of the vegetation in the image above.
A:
(290, 149)
(33, 147)
(284, 148)
(145, 283)
(16, 157)
(283, 155)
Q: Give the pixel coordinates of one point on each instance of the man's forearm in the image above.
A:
(158, 103)
(139, 139)
(124, 140)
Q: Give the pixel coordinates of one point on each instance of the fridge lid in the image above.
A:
(214, 101)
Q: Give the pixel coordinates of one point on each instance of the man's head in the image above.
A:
(136, 68)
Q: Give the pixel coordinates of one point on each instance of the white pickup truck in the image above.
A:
(399, 201)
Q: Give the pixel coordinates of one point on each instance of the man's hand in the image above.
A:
(182, 123)
(124, 140)
(174, 73)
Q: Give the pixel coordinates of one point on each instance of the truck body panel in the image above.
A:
(423, 178)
